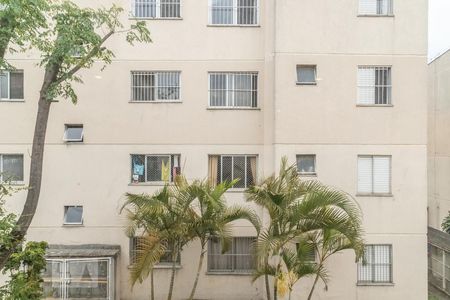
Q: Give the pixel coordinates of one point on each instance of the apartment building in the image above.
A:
(226, 89)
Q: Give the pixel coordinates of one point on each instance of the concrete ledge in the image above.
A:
(89, 250)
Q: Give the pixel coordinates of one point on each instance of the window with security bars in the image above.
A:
(233, 90)
(136, 245)
(158, 9)
(374, 85)
(11, 167)
(230, 167)
(155, 86)
(376, 264)
(238, 259)
(374, 174)
(11, 85)
(159, 168)
(234, 12)
(376, 7)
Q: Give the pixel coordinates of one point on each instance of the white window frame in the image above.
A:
(299, 67)
(156, 75)
(373, 175)
(1, 167)
(157, 11)
(373, 280)
(315, 165)
(146, 182)
(389, 13)
(388, 87)
(233, 270)
(65, 223)
(66, 139)
(230, 90)
(8, 76)
(235, 16)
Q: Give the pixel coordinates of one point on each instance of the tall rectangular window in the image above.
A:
(11, 167)
(230, 167)
(136, 245)
(374, 174)
(155, 86)
(234, 12)
(159, 9)
(159, 168)
(238, 259)
(233, 90)
(376, 265)
(374, 85)
(11, 85)
(376, 7)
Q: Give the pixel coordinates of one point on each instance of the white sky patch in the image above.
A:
(439, 27)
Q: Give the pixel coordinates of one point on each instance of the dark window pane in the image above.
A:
(239, 171)
(137, 168)
(306, 163)
(12, 167)
(16, 82)
(158, 168)
(74, 133)
(227, 167)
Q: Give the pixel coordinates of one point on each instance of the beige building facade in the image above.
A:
(338, 87)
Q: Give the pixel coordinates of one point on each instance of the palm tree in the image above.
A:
(212, 217)
(161, 217)
(446, 224)
(295, 208)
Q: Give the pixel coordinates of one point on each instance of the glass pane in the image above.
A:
(306, 163)
(222, 12)
(243, 90)
(143, 86)
(4, 85)
(365, 175)
(52, 277)
(16, 79)
(168, 86)
(218, 89)
(137, 168)
(73, 215)
(306, 74)
(227, 167)
(74, 133)
(239, 171)
(158, 168)
(12, 167)
(247, 12)
(170, 8)
(88, 279)
(145, 8)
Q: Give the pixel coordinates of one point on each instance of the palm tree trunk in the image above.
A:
(275, 290)
(313, 287)
(199, 269)
(172, 276)
(152, 283)
(266, 279)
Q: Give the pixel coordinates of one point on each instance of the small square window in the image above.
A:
(306, 74)
(306, 164)
(73, 133)
(73, 215)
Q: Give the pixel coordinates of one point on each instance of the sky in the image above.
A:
(439, 27)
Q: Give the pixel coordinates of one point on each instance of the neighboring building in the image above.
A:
(226, 89)
(438, 140)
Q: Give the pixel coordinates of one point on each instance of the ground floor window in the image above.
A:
(90, 278)
(238, 259)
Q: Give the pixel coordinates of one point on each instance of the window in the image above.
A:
(233, 90)
(374, 85)
(374, 174)
(306, 164)
(159, 9)
(376, 7)
(306, 74)
(155, 86)
(234, 12)
(231, 167)
(238, 259)
(11, 85)
(136, 246)
(73, 215)
(73, 133)
(11, 167)
(154, 168)
(376, 265)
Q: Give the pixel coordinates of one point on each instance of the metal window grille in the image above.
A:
(154, 168)
(11, 85)
(234, 12)
(160, 9)
(306, 164)
(155, 86)
(439, 267)
(376, 265)
(233, 89)
(233, 167)
(238, 259)
(374, 85)
(376, 7)
(136, 246)
(374, 174)
(11, 167)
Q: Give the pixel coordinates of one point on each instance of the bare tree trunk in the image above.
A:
(199, 269)
(275, 290)
(266, 279)
(37, 156)
(152, 283)
(313, 287)
(172, 277)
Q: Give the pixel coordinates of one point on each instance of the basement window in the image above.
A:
(73, 133)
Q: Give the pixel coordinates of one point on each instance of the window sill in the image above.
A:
(233, 108)
(72, 225)
(235, 25)
(237, 190)
(156, 18)
(374, 105)
(375, 284)
(376, 16)
(14, 183)
(229, 273)
(307, 174)
(12, 100)
(157, 101)
(163, 267)
(306, 83)
(150, 184)
(375, 195)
